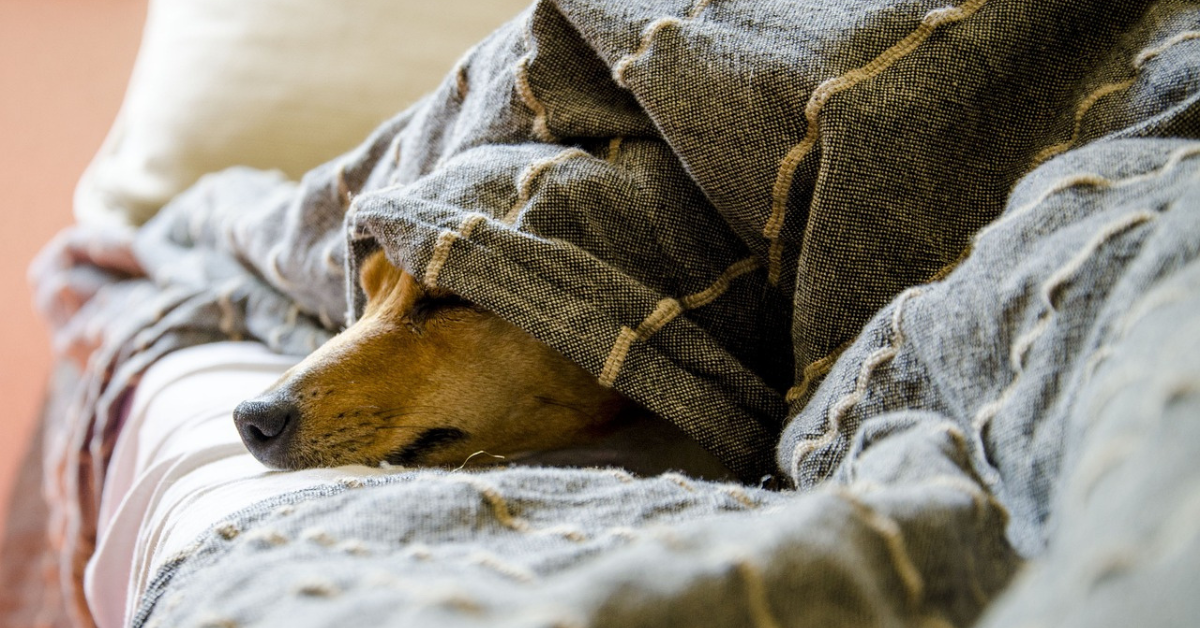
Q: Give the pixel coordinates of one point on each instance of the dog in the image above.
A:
(425, 378)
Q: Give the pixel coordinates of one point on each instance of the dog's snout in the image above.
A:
(265, 425)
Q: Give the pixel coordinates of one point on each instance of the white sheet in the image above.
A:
(179, 467)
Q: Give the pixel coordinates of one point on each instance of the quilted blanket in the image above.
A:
(928, 270)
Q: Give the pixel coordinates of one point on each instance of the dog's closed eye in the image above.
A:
(426, 308)
(428, 441)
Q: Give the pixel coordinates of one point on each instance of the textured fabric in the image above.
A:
(703, 204)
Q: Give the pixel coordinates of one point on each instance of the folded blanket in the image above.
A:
(703, 204)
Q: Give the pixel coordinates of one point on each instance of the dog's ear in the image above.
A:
(391, 292)
(374, 275)
(396, 293)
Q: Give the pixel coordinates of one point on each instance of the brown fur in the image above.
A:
(423, 378)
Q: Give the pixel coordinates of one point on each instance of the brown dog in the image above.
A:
(423, 378)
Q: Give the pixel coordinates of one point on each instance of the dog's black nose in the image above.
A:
(266, 424)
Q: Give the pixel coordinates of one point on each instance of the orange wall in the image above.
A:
(63, 69)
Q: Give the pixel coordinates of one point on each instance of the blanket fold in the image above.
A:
(760, 220)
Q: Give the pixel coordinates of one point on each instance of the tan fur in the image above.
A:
(410, 365)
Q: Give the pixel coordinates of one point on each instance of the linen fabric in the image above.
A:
(761, 220)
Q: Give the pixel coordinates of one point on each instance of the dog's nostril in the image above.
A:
(260, 421)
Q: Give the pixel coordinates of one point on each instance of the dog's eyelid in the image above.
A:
(427, 307)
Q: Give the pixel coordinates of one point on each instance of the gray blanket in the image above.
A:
(759, 220)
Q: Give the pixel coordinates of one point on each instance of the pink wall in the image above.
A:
(63, 69)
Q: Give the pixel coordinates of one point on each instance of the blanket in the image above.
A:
(760, 220)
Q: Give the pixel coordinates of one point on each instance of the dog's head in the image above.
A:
(422, 378)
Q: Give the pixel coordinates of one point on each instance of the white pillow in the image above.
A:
(272, 84)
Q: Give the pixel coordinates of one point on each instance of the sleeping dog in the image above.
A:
(424, 378)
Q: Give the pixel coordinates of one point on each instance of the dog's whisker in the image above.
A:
(464, 464)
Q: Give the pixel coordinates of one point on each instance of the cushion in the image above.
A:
(273, 84)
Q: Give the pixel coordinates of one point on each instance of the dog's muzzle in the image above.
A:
(267, 425)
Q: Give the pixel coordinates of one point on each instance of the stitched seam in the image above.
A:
(618, 71)
(462, 84)
(1084, 106)
(647, 39)
(498, 506)
(1058, 279)
(893, 538)
(666, 311)
(614, 149)
(530, 175)
(1088, 102)
(791, 161)
(757, 599)
(509, 570)
(1150, 53)
(822, 366)
(228, 322)
(446, 239)
(839, 410)
(1092, 180)
(815, 369)
(342, 190)
(698, 9)
(541, 128)
(275, 273)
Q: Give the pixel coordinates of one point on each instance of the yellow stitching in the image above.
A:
(228, 321)
(343, 189)
(666, 311)
(318, 536)
(893, 538)
(787, 167)
(499, 506)
(616, 356)
(614, 149)
(620, 474)
(441, 250)
(566, 531)
(227, 530)
(541, 128)
(530, 174)
(1084, 106)
(838, 411)
(648, 33)
(680, 480)
(647, 39)
(1052, 284)
(698, 9)
(758, 602)
(741, 497)
(1094, 180)
(398, 151)
(1070, 181)
(1064, 274)
(493, 562)
(818, 368)
(461, 81)
(711, 293)
(1150, 53)
(1087, 103)
(289, 324)
(275, 273)
(266, 537)
(330, 258)
(318, 588)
